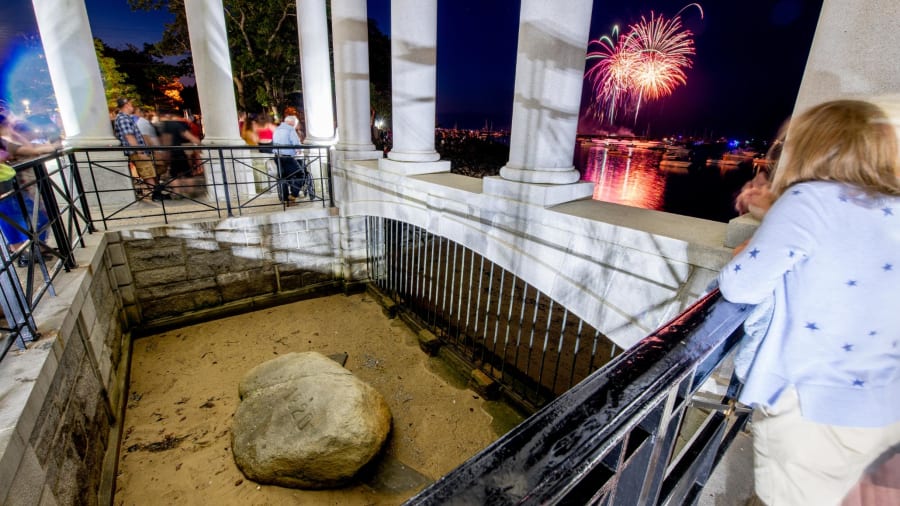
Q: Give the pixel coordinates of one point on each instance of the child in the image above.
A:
(825, 380)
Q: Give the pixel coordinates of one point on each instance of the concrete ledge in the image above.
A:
(543, 195)
(413, 168)
(740, 229)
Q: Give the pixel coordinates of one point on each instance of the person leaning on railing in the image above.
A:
(14, 146)
(127, 132)
(825, 378)
(290, 174)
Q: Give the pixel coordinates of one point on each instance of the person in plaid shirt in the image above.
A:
(127, 132)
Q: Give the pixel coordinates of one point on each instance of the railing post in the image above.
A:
(225, 183)
(51, 207)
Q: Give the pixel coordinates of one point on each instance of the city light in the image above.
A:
(27, 104)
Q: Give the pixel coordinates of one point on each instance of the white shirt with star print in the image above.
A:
(830, 254)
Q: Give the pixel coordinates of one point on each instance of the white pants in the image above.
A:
(799, 462)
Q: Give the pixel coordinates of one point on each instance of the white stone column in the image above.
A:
(414, 86)
(854, 52)
(553, 38)
(212, 71)
(315, 71)
(350, 37)
(215, 88)
(74, 72)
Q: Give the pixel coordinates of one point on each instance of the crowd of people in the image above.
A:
(162, 173)
(20, 207)
(293, 176)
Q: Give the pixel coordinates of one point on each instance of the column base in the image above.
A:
(544, 195)
(561, 175)
(320, 141)
(413, 168)
(417, 156)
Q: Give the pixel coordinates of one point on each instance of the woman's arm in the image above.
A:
(786, 236)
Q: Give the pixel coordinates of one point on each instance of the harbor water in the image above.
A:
(631, 174)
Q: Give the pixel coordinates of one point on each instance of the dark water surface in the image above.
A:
(632, 176)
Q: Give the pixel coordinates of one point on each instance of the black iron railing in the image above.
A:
(221, 181)
(613, 438)
(53, 201)
(517, 335)
(613, 428)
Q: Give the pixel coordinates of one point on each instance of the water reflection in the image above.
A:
(631, 175)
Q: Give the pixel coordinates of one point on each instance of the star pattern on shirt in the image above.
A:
(812, 326)
(887, 211)
(851, 282)
(847, 347)
(791, 254)
(887, 267)
(843, 198)
(753, 253)
(873, 332)
(737, 267)
(796, 192)
(859, 383)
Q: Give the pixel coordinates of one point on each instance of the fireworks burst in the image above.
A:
(647, 63)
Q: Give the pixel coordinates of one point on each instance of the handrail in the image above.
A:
(58, 198)
(610, 439)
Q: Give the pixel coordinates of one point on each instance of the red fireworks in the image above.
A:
(647, 63)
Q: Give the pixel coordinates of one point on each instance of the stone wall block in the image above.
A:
(314, 277)
(9, 460)
(157, 237)
(246, 284)
(28, 483)
(127, 293)
(122, 275)
(116, 254)
(318, 236)
(238, 237)
(286, 242)
(182, 287)
(318, 223)
(288, 227)
(160, 276)
(154, 257)
(300, 260)
(52, 412)
(180, 304)
(201, 264)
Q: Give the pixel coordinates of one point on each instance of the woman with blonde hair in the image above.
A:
(825, 380)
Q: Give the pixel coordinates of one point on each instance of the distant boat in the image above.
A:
(676, 159)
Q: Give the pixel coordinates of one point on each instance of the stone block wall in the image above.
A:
(180, 269)
(62, 393)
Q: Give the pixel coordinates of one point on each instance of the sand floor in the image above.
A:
(176, 441)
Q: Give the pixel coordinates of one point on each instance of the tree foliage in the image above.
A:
(262, 40)
(152, 81)
(115, 82)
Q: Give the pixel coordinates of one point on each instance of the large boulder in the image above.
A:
(306, 422)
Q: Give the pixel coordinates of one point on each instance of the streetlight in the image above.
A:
(27, 104)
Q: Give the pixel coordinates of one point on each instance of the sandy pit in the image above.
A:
(183, 392)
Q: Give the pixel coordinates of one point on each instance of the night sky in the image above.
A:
(749, 58)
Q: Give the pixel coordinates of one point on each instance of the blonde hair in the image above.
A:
(850, 141)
